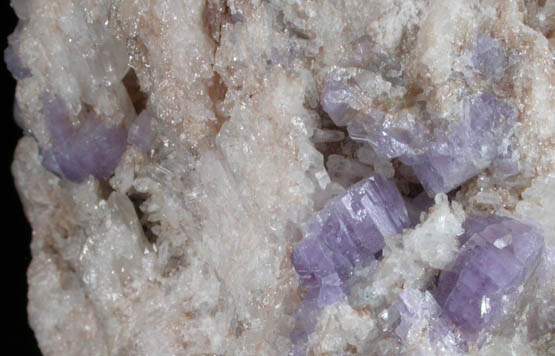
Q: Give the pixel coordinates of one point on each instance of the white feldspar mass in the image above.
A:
(245, 177)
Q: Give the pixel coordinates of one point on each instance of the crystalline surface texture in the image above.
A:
(442, 159)
(93, 148)
(348, 232)
(494, 262)
(471, 147)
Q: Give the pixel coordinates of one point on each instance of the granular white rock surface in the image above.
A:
(185, 250)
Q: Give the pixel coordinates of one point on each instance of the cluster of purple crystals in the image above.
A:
(498, 256)
(93, 148)
(442, 157)
(348, 232)
(449, 158)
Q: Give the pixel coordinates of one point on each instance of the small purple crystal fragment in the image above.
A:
(349, 231)
(336, 101)
(489, 57)
(141, 132)
(497, 258)
(14, 64)
(93, 148)
(471, 147)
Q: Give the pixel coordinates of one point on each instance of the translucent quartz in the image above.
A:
(498, 256)
(141, 131)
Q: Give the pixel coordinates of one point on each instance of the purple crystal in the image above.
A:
(336, 101)
(489, 57)
(93, 148)
(349, 231)
(443, 157)
(498, 256)
(14, 64)
(471, 147)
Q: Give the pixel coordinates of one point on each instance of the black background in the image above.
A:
(17, 236)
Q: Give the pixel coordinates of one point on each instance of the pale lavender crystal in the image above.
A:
(93, 148)
(497, 258)
(489, 57)
(442, 158)
(11, 57)
(468, 149)
(141, 132)
(336, 99)
(14, 64)
(349, 231)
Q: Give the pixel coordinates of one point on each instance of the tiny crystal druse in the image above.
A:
(288, 178)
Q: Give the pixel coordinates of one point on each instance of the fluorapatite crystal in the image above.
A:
(441, 159)
(489, 57)
(349, 231)
(498, 256)
(92, 148)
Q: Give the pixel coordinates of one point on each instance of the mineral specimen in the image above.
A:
(499, 255)
(449, 158)
(230, 177)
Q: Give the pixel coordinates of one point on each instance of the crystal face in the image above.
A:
(488, 57)
(349, 231)
(470, 148)
(497, 258)
(93, 148)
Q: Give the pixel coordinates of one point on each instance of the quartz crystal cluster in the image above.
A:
(243, 177)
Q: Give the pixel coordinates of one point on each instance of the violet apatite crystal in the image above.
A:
(442, 159)
(468, 149)
(489, 57)
(349, 231)
(497, 258)
(14, 64)
(93, 148)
